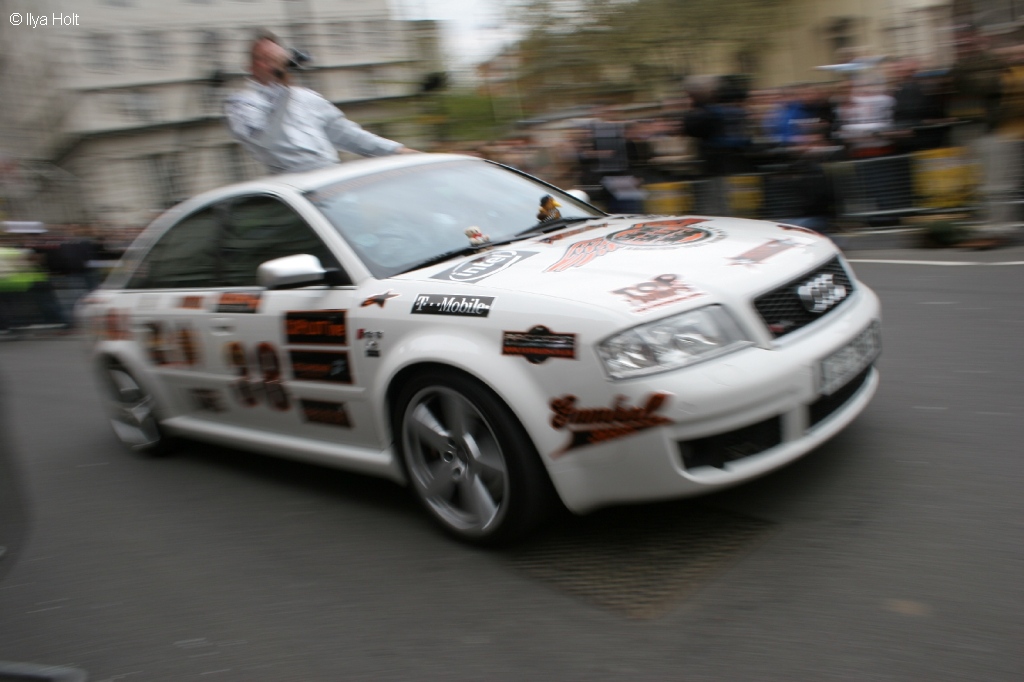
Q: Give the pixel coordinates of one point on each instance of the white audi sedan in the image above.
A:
(494, 343)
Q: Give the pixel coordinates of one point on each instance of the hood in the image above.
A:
(646, 262)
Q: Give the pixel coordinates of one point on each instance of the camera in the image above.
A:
(298, 59)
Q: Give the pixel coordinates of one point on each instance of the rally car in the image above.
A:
(493, 342)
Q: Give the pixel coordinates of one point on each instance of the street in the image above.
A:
(893, 552)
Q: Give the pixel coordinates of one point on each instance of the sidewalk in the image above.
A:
(908, 243)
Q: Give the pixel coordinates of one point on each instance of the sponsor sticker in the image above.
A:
(484, 266)
(661, 291)
(316, 326)
(760, 254)
(583, 252)
(463, 306)
(665, 233)
(332, 367)
(324, 412)
(592, 425)
(207, 400)
(238, 302)
(538, 344)
(378, 300)
(655, 234)
(372, 341)
(191, 302)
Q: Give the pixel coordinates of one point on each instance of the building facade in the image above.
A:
(112, 109)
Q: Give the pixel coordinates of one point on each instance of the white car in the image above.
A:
(423, 318)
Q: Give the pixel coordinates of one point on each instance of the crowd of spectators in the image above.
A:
(721, 127)
(45, 271)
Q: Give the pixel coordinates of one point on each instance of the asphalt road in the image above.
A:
(894, 552)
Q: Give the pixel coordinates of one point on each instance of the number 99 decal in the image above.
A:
(264, 383)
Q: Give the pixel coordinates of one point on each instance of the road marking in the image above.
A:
(930, 262)
(926, 407)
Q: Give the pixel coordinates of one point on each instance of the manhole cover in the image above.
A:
(639, 561)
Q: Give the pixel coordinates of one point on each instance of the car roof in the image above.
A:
(309, 180)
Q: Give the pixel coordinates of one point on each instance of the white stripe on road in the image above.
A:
(931, 262)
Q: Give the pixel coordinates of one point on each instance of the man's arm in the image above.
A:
(347, 135)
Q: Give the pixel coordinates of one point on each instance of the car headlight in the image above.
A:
(672, 342)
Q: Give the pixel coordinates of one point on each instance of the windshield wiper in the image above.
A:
(447, 255)
(539, 228)
(551, 225)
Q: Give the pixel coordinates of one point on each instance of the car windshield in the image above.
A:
(398, 220)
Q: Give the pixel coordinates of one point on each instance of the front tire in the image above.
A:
(468, 460)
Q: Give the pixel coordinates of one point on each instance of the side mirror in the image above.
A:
(301, 270)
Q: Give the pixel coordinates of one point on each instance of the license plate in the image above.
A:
(850, 360)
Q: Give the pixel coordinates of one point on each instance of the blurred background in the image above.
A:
(836, 112)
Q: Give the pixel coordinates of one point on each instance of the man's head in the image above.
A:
(268, 60)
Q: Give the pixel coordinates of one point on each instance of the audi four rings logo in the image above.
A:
(821, 293)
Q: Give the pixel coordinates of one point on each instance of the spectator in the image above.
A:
(917, 110)
(866, 120)
(799, 116)
(975, 83)
(718, 122)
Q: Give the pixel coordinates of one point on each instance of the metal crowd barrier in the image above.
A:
(863, 190)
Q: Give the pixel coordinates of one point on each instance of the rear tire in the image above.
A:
(132, 411)
(468, 459)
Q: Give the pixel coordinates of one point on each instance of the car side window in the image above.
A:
(261, 228)
(184, 257)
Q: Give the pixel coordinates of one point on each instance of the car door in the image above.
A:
(285, 357)
(164, 310)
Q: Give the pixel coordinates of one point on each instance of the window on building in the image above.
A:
(379, 33)
(343, 38)
(139, 105)
(166, 179)
(102, 52)
(235, 168)
(153, 52)
(365, 84)
(209, 49)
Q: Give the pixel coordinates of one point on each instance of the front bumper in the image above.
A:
(732, 419)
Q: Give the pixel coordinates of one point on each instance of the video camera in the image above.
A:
(298, 59)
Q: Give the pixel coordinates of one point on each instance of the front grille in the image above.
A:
(827, 404)
(783, 310)
(716, 450)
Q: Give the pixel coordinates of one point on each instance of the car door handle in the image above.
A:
(222, 326)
